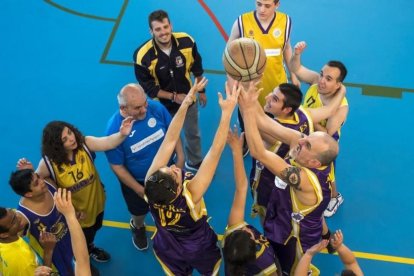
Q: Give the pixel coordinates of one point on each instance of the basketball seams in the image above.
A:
(244, 52)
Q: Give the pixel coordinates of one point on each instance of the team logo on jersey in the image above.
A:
(259, 165)
(297, 217)
(179, 62)
(82, 159)
(277, 32)
(152, 122)
(251, 34)
(132, 133)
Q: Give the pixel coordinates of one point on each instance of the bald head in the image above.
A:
(329, 147)
(129, 91)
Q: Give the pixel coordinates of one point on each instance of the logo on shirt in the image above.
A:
(132, 133)
(152, 122)
(280, 183)
(277, 32)
(159, 134)
(179, 62)
(250, 34)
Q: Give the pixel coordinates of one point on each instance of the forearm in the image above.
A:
(127, 179)
(239, 170)
(163, 94)
(294, 64)
(303, 266)
(47, 257)
(346, 255)
(179, 151)
(220, 137)
(78, 242)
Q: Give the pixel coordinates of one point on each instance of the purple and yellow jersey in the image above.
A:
(82, 179)
(261, 179)
(183, 232)
(265, 256)
(313, 100)
(286, 217)
(55, 223)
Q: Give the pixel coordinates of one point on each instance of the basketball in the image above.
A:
(244, 59)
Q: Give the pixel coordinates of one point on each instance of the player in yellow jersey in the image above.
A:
(324, 86)
(271, 29)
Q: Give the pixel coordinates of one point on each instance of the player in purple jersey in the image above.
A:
(283, 103)
(184, 240)
(39, 215)
(245, 250)
(304, 180)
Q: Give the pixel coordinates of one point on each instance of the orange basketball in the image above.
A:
(244, 59)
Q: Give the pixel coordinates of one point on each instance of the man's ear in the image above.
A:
(4, 235)
(287, 110)
(28, 194)
(315, 163)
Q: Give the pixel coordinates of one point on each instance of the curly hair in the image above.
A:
(52, 145)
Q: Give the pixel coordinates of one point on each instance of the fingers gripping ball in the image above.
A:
(244, 59)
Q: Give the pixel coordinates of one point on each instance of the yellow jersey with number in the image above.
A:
(82, 179)
(273, 41)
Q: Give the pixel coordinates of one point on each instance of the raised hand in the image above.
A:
(23, 164)
(249, 94)
(63, 200)
(337, 239)
(300, 47)
(47, 240)
(317, 247)
(232, 94)
(197, 86)
(126, 126)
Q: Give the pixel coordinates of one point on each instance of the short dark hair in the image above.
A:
(160, 188)
(238, 251)
(342, 69)
(52, 145)
(293, 96)
(347, 272)
(3, 213)
(20, 181)
(158, 15)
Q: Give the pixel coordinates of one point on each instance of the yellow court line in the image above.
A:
(361, 255)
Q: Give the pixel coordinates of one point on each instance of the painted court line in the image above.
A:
(360, 255)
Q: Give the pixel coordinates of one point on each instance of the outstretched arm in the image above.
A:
(173, 133)
(303, 73)
(112, 141)
(287, 56)
(346, 255)
(302, 268)
(267, 126)
(63, 200)
(203, 177)
(326, 111)
(239, 201)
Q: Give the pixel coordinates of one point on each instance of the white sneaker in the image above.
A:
(333, 205)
